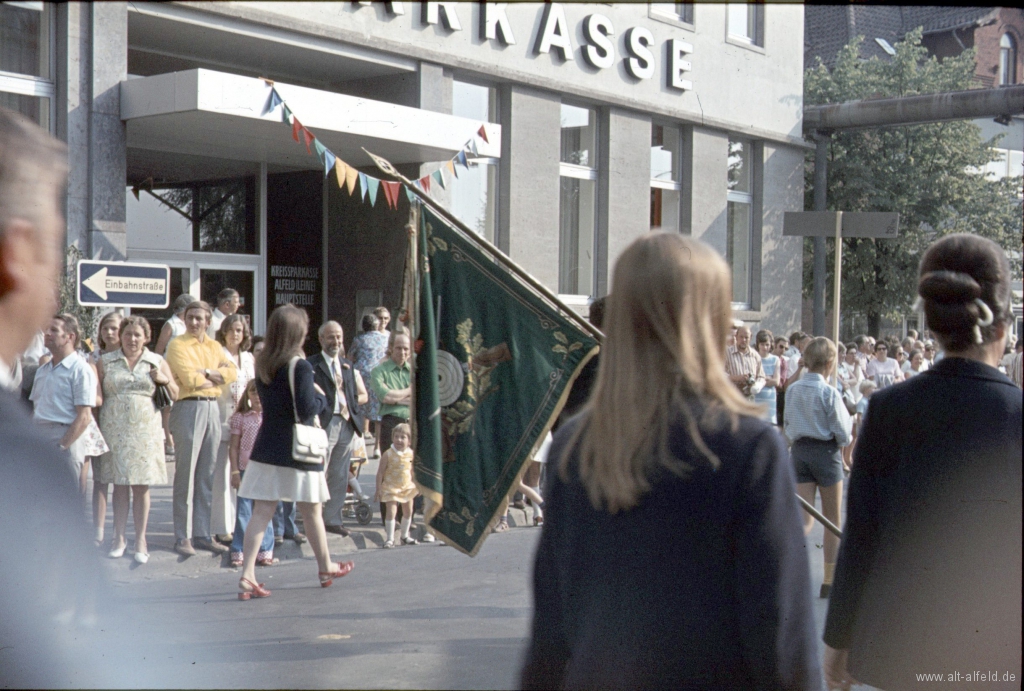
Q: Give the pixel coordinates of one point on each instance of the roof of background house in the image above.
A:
(827, 28)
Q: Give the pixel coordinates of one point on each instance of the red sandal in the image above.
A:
(327, 577)
(247, 589)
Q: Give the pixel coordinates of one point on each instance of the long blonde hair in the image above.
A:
(286, 332)
(666, 324)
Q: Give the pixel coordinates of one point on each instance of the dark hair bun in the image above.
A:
(948, 287)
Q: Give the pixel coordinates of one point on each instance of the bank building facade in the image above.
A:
(559, 131)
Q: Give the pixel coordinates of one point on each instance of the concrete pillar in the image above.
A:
(434, 93)
(92, 62)
(707, 207)
(781, 257)
(624, 188)
(529, 190)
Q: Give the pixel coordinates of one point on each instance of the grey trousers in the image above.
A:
(340, 440)
(196, 428)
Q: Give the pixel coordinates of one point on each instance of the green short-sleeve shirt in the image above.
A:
(386, 377)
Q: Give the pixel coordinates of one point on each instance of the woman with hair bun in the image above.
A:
(672, 554)
(929, 571)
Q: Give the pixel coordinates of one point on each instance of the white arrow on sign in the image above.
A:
(101, 284)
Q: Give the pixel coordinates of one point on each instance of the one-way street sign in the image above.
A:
(120, 284)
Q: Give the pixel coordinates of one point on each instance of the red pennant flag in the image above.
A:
(483, 133)
(308, 136)
(425, 183)
(391, 193)
(296, 128)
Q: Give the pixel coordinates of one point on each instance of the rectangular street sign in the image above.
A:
(121, 284)
(856, 224)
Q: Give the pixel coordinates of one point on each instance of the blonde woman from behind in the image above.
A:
(672, 553)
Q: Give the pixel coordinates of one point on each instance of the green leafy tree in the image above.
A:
(929, 173)
(68, 293)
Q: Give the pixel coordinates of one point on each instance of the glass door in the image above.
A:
(181, 283)
(213, 280)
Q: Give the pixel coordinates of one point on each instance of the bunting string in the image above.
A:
(354, 181)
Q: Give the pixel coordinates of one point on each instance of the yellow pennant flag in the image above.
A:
(340, 169)
(450, 165)
(351, 178)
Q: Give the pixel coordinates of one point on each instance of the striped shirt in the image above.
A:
(816, 410)
(746, 364)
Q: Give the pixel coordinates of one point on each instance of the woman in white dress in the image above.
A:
(108, 340)
(131, 424)
(236, 338)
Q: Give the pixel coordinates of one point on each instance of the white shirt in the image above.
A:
(215, 322)
(177, 326)
(6, 380)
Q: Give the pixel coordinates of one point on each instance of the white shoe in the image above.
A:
(119, 552)
(428, 538)
(141, 558)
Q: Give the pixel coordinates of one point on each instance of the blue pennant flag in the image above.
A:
(273, 101)
(461, 159)
(409, 194)
(329, 159)
(374, 185)
(363, 185)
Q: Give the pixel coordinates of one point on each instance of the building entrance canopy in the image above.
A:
(217, 114)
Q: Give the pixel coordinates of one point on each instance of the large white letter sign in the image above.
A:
(601, 51)
(554, 32)
(678, 65)
(494, 23)
(638, 43)
(431, 10)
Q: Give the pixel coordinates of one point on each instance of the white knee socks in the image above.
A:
(389, 529)
(406, 524)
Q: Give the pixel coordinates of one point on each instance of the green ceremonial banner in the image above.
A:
(494, 366)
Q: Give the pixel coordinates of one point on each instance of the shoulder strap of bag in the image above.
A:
(291, 385)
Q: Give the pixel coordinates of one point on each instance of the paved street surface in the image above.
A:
(411, 617)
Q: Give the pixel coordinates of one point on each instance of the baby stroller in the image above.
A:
(357, 504)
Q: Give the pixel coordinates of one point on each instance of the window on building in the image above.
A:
(1007, 60)
(746, 22)
(26, 78)
(577, 222)
(220, 214)
(665, 177)
(474, 192)
(739, 238)
(679, 11)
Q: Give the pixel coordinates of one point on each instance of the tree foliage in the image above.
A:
(929, 173)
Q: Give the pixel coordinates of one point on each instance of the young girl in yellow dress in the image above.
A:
(395, 485)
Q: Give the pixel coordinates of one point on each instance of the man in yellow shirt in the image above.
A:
(200, 367)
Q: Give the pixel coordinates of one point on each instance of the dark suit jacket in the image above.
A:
(274, 440)
(703, 585)
(929, 571)
(322, 376)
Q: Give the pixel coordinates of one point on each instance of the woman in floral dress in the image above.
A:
(368, 350)
(132, 427)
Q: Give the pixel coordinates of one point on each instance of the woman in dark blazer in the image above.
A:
(928, 579)
(273, 475)
(672, 554)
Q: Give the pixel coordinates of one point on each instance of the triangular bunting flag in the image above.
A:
(425, 183)
(472, 147)
(437, 175)
(309, 137)
(410, 195)
(363, 186)
(450, 165)
(483, 133)
(351, 178)
(461, 159)
(320, 149)
(273, 101)
(286, 115)
(374, 185)
(296, 128)
(391, 193)
(340, 168)
(329, 159)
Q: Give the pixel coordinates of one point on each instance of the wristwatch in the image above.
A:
(206, 373)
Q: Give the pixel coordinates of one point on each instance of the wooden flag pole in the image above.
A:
(835, 291)
(497, 254)
(829, 525)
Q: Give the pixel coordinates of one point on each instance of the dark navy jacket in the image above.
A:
(929, 572)
(274, 440)
(703, 585)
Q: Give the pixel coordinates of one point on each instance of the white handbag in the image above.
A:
(309, 442)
